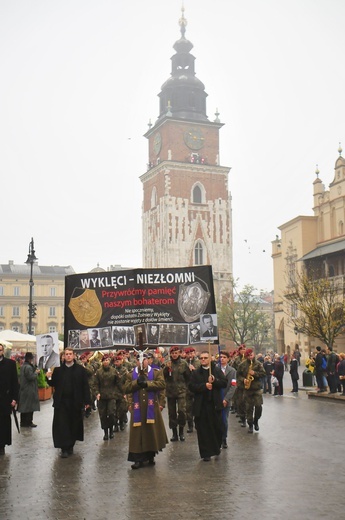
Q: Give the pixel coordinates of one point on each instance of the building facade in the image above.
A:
(48, 295)
(186, 214)
(316, 242)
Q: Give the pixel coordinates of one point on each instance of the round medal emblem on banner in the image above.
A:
(86, 308)
(192, 301)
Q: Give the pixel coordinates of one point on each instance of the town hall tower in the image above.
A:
(186, 213)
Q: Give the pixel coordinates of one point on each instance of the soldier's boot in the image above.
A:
(190, 427)
(111, 432)
(106, 437)
(250, 429)
(181, 433)
(122, 426)
(116, 427)
(256, 425)
(243, 422)
(174, 437)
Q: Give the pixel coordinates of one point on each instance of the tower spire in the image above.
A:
(183, 89)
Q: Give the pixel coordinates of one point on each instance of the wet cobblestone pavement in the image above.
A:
(291, 469)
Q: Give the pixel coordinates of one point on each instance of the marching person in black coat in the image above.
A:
(71, 397)
(278, 371)
(294, 374)
(208, 405)
(9, 389)
(320, 372)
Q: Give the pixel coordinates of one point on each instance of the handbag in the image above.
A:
(274, 381)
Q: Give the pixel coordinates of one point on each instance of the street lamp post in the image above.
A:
(30, 261)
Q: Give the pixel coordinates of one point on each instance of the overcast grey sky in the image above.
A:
(79, 84)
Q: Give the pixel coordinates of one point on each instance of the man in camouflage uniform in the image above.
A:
(121, 402)
(252, 369)
(91, 366)
(129, 360)
(176, 375)
(193, 363)
(106, 387)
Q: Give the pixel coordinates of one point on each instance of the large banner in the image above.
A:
(161, 306)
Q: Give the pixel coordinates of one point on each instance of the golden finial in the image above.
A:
(317, 171)
(182, 21)
(340, 149)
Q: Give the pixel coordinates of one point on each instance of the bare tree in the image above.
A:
(242, 320)
(316, 307)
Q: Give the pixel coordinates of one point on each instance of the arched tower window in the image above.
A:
(198, 194)
(154, 197)
(198, 253)
(341, 227)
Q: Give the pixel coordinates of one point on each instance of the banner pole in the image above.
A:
(209, 354)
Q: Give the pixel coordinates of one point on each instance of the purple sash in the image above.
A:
(150, 418)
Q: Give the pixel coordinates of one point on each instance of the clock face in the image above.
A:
(157, 143)
(193, 138)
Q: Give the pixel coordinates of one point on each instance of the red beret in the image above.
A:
(173, 348)
(248, 352)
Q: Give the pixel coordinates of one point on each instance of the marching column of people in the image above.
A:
(200, 392)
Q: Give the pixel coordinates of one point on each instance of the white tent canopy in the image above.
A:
(6, 344)
(12, 336)
(19, 340)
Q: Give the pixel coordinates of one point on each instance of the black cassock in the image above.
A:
(207, 409)
(9, 389)
(71, 394)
